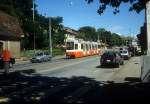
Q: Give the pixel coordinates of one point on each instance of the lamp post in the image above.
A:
(50, 38)
(34, 26)
(147, 19)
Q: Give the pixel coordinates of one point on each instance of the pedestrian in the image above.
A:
(6, 56)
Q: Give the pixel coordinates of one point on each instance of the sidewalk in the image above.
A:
(27, 60)
(130, 70)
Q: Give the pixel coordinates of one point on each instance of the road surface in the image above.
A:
(72, 81)
(87, 66)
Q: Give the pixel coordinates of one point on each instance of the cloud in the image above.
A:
(119, 34)
(117, 29)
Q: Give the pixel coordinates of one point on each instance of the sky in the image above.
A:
(78, 13)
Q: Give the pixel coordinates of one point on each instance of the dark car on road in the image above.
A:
(111, 58)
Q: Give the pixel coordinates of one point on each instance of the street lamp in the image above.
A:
(50, 38)
(34, 25)
(147, 19)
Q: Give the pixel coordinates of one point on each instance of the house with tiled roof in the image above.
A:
(10, 34)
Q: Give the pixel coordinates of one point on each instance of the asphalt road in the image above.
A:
(72, 81)
(87, 66)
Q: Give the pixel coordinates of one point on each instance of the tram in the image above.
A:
(79, 48)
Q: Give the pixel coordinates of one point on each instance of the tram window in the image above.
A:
(87, 48)
(93, 46)
(70, 45)
(84, 47)
(76, 46)
(90, 47)
(81, 46)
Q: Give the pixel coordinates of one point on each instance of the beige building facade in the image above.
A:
(13, 46)
(70, 34)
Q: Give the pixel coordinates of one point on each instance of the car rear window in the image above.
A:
(123, 52)
(109, 54)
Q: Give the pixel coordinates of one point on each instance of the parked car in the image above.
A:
(11, 63)
(138, 53)
(111, 58)
(40, 57)
(125, 54)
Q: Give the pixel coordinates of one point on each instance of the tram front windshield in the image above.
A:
(70, 45)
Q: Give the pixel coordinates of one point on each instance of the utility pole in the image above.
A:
(98, 38)
(147, 19)
(50, 38)
(130, 38)
(34, 25)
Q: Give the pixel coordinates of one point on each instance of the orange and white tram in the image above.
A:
(80, 48)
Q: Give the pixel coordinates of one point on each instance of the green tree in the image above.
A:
(142, 38)
(102, 34)
(87, 33)
(116, 40)
(135, 5)
(23, 10)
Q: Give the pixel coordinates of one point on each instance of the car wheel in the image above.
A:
(10, 65)
(47, 59)
(117, 65)
(32, 61)
(101, 64)
(42, 60)
(6, 71)
(122, 63)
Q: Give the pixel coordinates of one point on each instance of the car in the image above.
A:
(40, 57)
(125, 54)
(138, 53)
(111, 58)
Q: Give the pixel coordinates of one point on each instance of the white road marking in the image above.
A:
(96, 71)
(68, 65)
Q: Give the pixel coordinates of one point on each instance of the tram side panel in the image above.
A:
(77, 50)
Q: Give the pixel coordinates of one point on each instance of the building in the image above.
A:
(70, 34)
(10, 34)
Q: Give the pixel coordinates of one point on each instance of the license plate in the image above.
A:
(108, 60)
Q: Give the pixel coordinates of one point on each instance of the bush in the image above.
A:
(30, 53)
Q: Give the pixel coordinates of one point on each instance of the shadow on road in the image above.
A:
(28, 87)
(105, 67)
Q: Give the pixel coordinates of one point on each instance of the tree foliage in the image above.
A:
(142, 38)
(135, 5)
(23, 10)
(89, 33)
